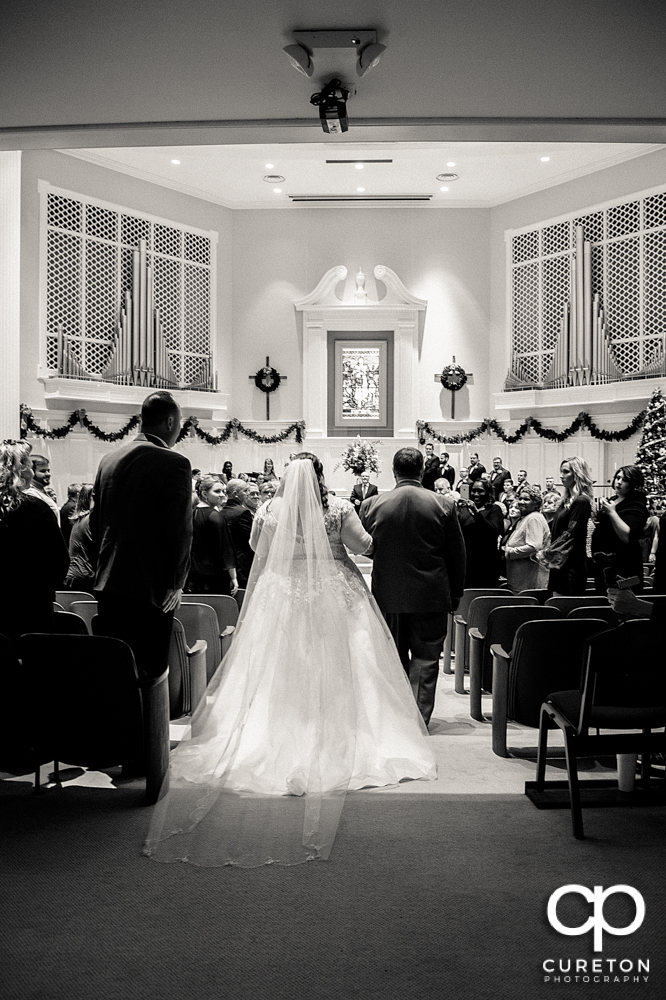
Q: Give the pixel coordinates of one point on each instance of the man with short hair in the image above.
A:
(239, 523)
(362, 490)
(522, 482)
(497, 477)
(41, 473)
(252, 498)
(67, 510)
(141, 526)
(475, 470)
(431, 467)
(446, 471)
(418, 571)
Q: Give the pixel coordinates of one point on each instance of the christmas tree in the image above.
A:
(651, 454)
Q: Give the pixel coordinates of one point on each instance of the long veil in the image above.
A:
(264, 776)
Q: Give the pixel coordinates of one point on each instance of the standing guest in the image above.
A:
(212, 565)
(431, 467)
(528, 537)
(475, 470)
(239, 523)
(267, 490)
(571, 517)
(141, 527)
(464, 483)
(252, 498)
(363, 489)
(446, 496)
(508, 496)
(498, 477)
(446, 471)
(227, 472)
(418, 571)
(67, 510)
(550, 487)
(619, 529)
(269, 471)
(34, 555)
(481, 524)
(81, 572)
(41, 470)
(658, 557)
(522, 481)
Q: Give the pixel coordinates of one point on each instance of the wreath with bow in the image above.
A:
(453, 377)
(265, 374)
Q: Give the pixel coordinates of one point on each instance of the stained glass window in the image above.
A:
(360, 383)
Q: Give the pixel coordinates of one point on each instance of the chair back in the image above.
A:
(502, 625)
(86, 705)
(472, 593)
(86, 610)
(179, 676)
(603, 612)
(57, 607)
(201, 622)
(659, 600)
(611, 698)
(567, 604)
(480, 608)
(67, 623)
(67, 597)
(239, 597)
(546, 656)
(225, 607)
(540, 595)
(17, 749)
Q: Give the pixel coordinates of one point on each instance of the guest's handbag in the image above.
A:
(555, 555)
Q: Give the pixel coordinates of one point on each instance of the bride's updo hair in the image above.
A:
(319, 473)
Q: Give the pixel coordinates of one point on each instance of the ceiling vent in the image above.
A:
(447, 177)
(338, 198)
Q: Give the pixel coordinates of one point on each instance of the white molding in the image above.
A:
(397, 289)
(71, 393)
(579, 396)
(323, 293)
(10, 293)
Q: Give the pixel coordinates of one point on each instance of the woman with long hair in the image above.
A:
(212, 561)
(227, 472)
(481, 523)
(34, 554)
(311, 701)
(616, 541)
(269, 471)
(81, 572)
(569, 529)
(528, 537)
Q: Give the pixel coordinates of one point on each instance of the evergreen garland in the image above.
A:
(582, 421)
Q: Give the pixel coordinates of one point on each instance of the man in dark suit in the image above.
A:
(446, 471)
(497, 477)
(418, 571)
(239, 523)
(361, 491)
(431, 468)
(141, 526)
(475, 470)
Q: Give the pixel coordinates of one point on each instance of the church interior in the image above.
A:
(174, 215)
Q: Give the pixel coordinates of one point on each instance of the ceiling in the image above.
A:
(489, 173)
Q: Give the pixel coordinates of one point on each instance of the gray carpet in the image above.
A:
(441, 895)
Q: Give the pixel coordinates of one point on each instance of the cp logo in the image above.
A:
(597, 897)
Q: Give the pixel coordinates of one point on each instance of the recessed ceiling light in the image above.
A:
(545, 159)
(450, 163)
(443, 189)
(360, 190)
(273, 178)
(277, 190)
(269, 166)
(359, 166)
(447, 177)
(175, 162)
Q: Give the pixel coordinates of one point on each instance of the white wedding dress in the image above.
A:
(311, 701)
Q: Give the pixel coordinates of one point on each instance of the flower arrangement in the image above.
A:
(360, 456)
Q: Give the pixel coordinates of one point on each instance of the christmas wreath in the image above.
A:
(453, 377)
(267, 379)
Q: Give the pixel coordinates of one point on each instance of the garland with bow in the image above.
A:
(191, 424)
(582, 421)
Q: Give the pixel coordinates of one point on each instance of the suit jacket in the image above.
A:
(475, 472)
(448, 473)
(430, 472)
(419, 553)
(142, 543)
(497, 481)
(357, 497)
(239, 523)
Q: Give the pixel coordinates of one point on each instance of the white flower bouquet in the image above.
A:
(360, 456)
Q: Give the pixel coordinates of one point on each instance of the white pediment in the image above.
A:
(324, 295)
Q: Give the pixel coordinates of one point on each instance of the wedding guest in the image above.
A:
(528, 537)
(82, 558)
(41, 470)
(239, 523)
(363, 489)
(551, 500)
(267, 490)
(67, 510)
(571, 517)
(212, 561)
(446, 495)
(446, 471)
(521, 482)
(481, 524)
(550, 487)
(252, 498)
(475, 470)
(227, 472)
(498, 476)
(620, 525)
(463, 481)
(658, 556)
(269, 471)
(507, 496)
(34, 554)
(431, 467)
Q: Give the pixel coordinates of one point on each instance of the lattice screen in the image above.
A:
(89, 266)
(628, 271)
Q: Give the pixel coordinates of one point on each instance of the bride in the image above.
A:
(311, 701)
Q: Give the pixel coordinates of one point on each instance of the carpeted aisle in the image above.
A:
(441, 895)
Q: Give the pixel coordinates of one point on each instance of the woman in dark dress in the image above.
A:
(34, 554)
(212, 566)
(481, 522)
(620, 528)
(269, 471)
(227, 472)
(81, 572)
(572, 515)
